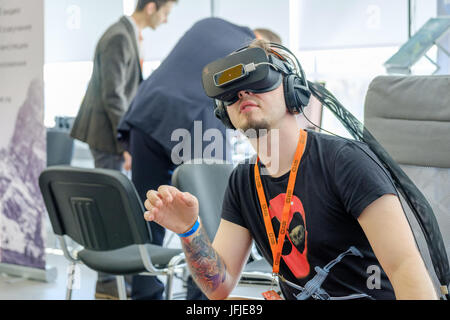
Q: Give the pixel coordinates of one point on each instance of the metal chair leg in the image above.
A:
(121, 289)
(172, 268)
(169, 284)
(70, 280)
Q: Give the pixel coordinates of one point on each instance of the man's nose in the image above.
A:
(243, 93)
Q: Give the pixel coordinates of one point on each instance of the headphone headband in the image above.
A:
(293, 61)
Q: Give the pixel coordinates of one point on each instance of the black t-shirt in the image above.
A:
(336, 181)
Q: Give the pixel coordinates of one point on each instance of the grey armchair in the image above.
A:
(410, 117)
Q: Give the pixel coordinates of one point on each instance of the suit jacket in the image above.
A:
(115, 79)
(172, 97)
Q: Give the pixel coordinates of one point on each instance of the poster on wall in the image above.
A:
(22, 132)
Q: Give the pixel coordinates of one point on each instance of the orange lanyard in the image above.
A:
(277, 245)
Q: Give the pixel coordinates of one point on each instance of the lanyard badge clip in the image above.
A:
(274, 280)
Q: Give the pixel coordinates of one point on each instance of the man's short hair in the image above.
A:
(159, 3)
(268, 35)
(265, 45)
(261, 43)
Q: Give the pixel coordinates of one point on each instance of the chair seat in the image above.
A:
(126, 260)
(257, 272)
(258, 266)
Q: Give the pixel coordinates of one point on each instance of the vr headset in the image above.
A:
(252, 70)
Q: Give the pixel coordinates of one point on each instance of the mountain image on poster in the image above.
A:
(21, 204)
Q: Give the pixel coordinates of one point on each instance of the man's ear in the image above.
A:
(150, 8)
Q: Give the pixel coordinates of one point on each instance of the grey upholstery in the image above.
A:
(259, 266)
(101, 210)
(208, 183)
(410, 117)
(126, 260)
(258, 272)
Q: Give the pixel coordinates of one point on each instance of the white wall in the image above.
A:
(343, 43)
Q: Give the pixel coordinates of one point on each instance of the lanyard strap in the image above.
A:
(277, 245)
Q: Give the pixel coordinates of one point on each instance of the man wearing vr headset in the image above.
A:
(325, 215)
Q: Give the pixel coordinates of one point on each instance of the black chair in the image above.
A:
(208, 183)
(101, 210)
(60, 147)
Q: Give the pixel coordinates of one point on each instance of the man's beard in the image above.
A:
(255, 129)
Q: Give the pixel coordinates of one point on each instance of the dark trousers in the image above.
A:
(151, 168)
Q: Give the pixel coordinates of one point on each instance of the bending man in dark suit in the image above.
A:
(115, 79)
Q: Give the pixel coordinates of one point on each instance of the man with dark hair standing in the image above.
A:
(116, 76)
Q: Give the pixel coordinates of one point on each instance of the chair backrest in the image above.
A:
(410, 117)
(208, 183)
(98, 208)
(59, 147)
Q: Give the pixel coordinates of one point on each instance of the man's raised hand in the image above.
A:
(171, 208)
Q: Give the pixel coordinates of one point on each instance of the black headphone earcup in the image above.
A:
(289, 94)
(221, 113)
(303, 95)
(295, 94)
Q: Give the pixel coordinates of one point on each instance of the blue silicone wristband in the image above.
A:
(193, 229)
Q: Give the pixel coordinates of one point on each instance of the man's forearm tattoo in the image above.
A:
(207, 268)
